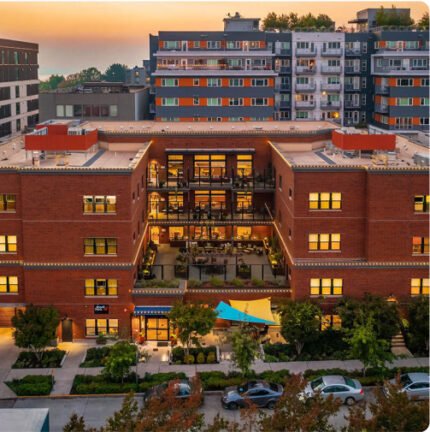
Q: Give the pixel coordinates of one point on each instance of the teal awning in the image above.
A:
(227, 312)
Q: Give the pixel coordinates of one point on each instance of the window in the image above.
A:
(113, 110)
(363, 82)
(333, 321)
(94, 327)
(324, 242)
(196, 44)
(9, 284)
(169, 82)
(99, 204)
(325, 201)
(244, 165)
(424, 101)
(169, 101)
(233, 44)
(99, 246)
(421, 203)
(7, 203)
(243, 201)
(363, 99)
(419, 63)
(326, 287)
(364, 47)
(8, 243)
(259, 82)
(405, 82)
(101, 287)
(214, 82)
(213, 101)
(420, 286)
(302, 45)
(254, 44)
(280, 182)
(404, 101)
(363, 65)
(236, 101)
(236, 82)
(196, 101)
(425, 82)
(196, 82)
(420, 245)
(60, 111)
(214, 44)
(411, 45)
(259, 101)
(424, 121)
(172, 44)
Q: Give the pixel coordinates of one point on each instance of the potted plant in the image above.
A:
(173, 340)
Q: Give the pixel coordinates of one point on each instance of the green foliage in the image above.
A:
(392, 18)
(189, 359)
(245, 347)
(194, 283)
(50, 359)
(191, 321)
(300, 323)
(115, 73)
(151, 380)
(75, 424)
(292, 21)
(423, 23)
(386, 318)
(200, 358)
(51, 83)
(365, 345)
(121, 356)
(237, 282)
(96, 357)
(158, 283)
(35, 328)
(211, 358)
(418, 328)
(257, 282)
(178, 353)
(101, 339)
(216, 281)
(32, 385)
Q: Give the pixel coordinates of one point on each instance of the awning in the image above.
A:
(257, 308)
(151, 310)
(227, 312)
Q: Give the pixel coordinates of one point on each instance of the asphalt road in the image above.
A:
(96, 409)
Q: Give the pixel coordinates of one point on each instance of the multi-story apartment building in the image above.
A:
(340, 226)
(19, 86)
(245, 74)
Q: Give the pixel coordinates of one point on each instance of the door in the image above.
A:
(67, 330)
(157, 328)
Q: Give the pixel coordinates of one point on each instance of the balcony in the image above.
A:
(381, 108)
(283, 52)
(306, 52)
(332, 52)
(382, 89)
(283, 69)
(303, 88)
(308, 105)
(400, 70)
(351, 104)
(331, 69)
(352, 87)
(330, 105)
(152, 108)
(352, 69)
(282, 87)
(352, 51)
(284, 104)
(304, 70)
(218, 67)
(331, 87)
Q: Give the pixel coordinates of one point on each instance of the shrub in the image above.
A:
(189, 359)
(96, 357)
(101, 339)
(178, 353)
(31, 385)
(237, 282)
(194, 283)
(50, 359)
(200, 358)
(257, 282)
(211, 358)
(216, 281)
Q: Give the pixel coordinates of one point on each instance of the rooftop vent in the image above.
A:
(421, 159)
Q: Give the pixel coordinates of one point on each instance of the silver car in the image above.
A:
(347, 389)
(415, 384)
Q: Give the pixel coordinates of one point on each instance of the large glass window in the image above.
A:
(99, 204)
(176, 233)
(94, 327)
(8, 243)
(101, 287)
(209, 165)
(7, 203)
(323, 242)
(326, 287)
(169, 101)
(420, 245)
(210, 200)
(421, 203)
(243, 201)
(100, 246)
(420, 286)
(243, 233)
(325, 201)
(8, 284)
(176, 201)
(244, 165)
(175, 166)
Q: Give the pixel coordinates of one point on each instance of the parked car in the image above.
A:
(347, 389)
(183, 387)
(415, 384)
(262, 393)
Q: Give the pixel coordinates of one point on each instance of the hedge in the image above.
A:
(209, 353)
(96, 357)
(50, 359)
(32, 385)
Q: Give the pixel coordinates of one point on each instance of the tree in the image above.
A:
(270, 22)
(75, 424)
(35, 328)
(390, 17)
(300, 323)
(291, 413)
(423, 23)
(389, 413)
(51, 83)
(125, 418)
(418, 328)
(386, 317)
(115, 73)
(365, 345)
(121, 356)
(245, 347)
(191, 321)
(90, 74)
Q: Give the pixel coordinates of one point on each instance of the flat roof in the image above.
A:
(23, 419)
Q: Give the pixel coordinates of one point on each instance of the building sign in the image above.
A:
(101, 309)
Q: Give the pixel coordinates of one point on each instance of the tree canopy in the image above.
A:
(121, 356)
(418, 326)
(283, 22)
(115, 73)
(423, 23)
(392, 18)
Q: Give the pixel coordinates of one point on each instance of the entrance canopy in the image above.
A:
(259, 308)
(231, 313)
(151, 310)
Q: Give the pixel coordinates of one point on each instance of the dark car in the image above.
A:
(261, 393)
(183, 388)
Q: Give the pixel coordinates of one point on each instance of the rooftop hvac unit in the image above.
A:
(421, 159)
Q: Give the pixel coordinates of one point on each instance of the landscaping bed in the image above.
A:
(50, 359)
(96, 357)
(235, 283)
(32, 385)
(89, 384)
(197, 355)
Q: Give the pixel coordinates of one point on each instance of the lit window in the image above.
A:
(100, 246)
(420, 286)
(421, 203)
(326, 287)
(7, 203)
(333, 321)
(324, 242)
(325, 201)
(101, 287)
(99, 204)
(94, 327)
(420, 245)
(8, 243)
(9, 284)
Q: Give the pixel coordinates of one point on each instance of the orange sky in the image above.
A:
(75, 35)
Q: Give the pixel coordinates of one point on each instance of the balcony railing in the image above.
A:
(283, 69)
(305, 104)
(282, 87)
(381, 89)
(331, 69)
(352, 69)
(330, 105)
(212, 67)
(351, 87)
(351, 104)
(382, 108)
(352, 51)
(283, 52)
(402, 70)
(306, 69)
(332, 52)
(306, 52)
(331, 87)
(305, 87)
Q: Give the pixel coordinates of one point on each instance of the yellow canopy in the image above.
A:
(257, 308)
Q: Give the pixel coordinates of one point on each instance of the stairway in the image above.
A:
(398, 346)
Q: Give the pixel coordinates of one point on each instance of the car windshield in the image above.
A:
(350, 382)
(317, 384)
(405, 380)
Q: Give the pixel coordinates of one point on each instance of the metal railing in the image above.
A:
(332, 52)
(382, 108)
(351, 87)
(305, 87)
(352, 51)
(381, 89)
(352, 69)
(351, 104)
(306, 69)
(331, 69)
(331, 87)
(330, 104)
(306, 52)
(305, 104)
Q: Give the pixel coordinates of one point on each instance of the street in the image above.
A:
(96, 409)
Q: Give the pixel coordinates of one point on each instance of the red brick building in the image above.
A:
(77, 214)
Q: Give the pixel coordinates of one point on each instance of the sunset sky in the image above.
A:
(75, 35)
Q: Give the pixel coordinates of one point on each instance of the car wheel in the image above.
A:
(350, 401)
(271, 405)
(232, 406)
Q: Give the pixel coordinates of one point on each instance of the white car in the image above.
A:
(415, 384)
